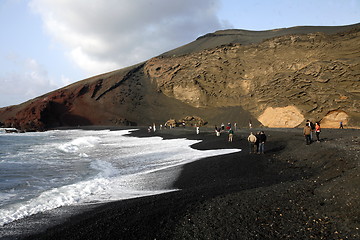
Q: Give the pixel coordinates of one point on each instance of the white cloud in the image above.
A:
(105, 35)
(28, 81)
(65, 80)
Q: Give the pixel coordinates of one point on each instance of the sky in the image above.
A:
(48, 44)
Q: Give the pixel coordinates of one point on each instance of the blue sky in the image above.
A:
(48, 44)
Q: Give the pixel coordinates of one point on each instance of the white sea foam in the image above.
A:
(77, 167)
(106, 169)
(80, 143)
(104, 187)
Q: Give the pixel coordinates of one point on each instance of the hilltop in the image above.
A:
(275, 78)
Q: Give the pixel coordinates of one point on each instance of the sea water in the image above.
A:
(45, 170)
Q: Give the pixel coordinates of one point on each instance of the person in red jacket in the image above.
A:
(317, 131)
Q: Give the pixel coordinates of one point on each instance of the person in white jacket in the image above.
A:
(252, 141)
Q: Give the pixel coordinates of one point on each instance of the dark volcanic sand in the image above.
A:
(293, 191)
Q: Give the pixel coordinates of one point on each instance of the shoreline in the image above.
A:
(292, 191)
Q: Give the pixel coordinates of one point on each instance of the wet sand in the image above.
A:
(293, 191)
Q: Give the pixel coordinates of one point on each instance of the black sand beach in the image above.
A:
(293, 191)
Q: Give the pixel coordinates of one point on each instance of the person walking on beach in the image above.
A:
(252, 141)
(341, 125)
(217, 131)
(256, 145)
(312, 127)
(197, 130)
(307, 132)
(231, 135)
(317, 131)
(262, 140)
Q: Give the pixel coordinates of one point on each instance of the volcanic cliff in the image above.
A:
(276, 78)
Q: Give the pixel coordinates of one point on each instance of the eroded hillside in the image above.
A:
(282, 81)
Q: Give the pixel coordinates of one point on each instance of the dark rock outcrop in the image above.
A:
(276, 78)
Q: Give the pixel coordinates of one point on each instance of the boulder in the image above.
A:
(193, 121)
(333, 119)
(281, 117)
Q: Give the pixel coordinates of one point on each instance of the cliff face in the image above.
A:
(280, 81)
(275, 78)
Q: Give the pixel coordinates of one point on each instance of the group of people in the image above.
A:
(153, 128)
(308, 131)
(229, 128)
(257, 142)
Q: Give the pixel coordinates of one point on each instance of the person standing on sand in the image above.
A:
(217, 131)
(307, 132)
(317, 131)
(231, 134)
(262, 141)
(197, 130)
(341, 125)
(256, 145)
(252, 141)
(312, 127)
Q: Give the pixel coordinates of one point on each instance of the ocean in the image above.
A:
(42, 171)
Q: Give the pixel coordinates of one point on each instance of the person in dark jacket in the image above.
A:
(262, 140)
(256, 147)
(231, 135)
